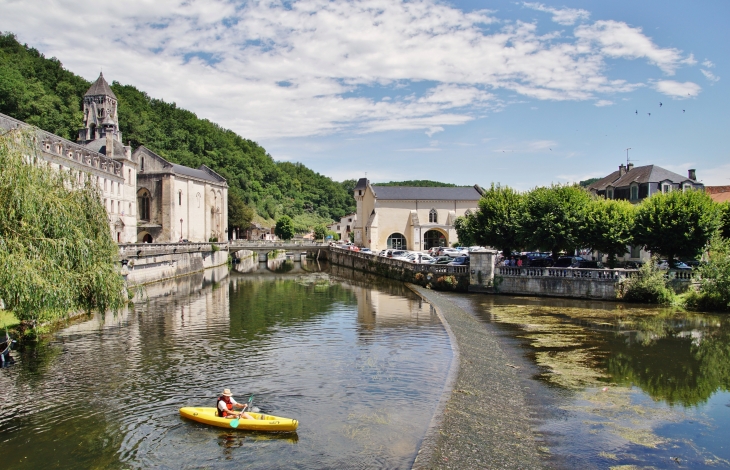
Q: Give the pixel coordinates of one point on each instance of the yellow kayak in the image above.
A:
(261, 422)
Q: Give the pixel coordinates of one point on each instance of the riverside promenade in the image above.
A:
(483, 418)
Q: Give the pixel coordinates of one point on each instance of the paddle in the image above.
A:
(234, 421)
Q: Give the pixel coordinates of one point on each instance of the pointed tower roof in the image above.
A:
(100, 87)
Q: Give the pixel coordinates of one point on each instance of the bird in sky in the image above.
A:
(551, 150)
(660, 104)
(683, 110)
(649, 114)
(637, 111)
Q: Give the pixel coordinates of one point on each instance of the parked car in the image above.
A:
(433, 251)
(633, 264)
(383, 253)
(589, 264)
(366, 250)
(396, 253)
(443, 260)
(460, 261)
(568, 261)
(419, 258)
(678, 265)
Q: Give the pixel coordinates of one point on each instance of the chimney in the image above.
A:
(629, 167)
(692, 174)
(621, 170)
(109, 145)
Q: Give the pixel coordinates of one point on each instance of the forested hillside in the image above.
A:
(40, 91)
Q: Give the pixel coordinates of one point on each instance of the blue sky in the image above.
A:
(520, 93)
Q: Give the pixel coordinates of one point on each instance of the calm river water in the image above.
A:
(361, 363)
(362, 367)
(617, 385)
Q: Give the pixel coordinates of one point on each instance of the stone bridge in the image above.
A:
(293, 250)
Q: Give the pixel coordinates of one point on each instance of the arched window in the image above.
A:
(179, 198)
(142, 169)
(397, 241)
(130, 209)
(129, 172)
(105, 188)
(144, 206)
(198, 197)
(433, 216)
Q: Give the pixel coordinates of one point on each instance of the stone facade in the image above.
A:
(197, 196)
(412, 218)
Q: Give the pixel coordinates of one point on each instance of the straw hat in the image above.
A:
(227, 392)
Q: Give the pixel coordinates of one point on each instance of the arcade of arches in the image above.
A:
(397, 241)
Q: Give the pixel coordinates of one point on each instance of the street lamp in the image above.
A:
(181, 221)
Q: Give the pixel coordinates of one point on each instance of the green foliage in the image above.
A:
(465, 230)
(725, 219)
(320, 231)
(56, 250)
(41, 92)
(284, 228)
(608, 228)
(714, 277)
(554, 217)
(648, 286)
(497, 222)
(677, 224)
(335, 236)
(588, 182)
(305, 222)
(418, 183)
(240, 215)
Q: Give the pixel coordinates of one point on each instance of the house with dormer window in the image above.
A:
(635, 184)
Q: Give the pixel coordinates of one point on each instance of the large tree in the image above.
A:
(497, 221)
(240, 215)
(677, 224)
(725, 219)
(554, 218)
(608, 228)
(284, 228)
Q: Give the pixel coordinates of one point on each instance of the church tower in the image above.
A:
(100, 113)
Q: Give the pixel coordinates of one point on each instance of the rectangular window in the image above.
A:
(634, 193)
(609, 193)
(666, 188)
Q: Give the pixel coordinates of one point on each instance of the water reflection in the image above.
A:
(364, 387)
(629, 385)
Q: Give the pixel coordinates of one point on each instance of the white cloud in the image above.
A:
(601, 103)
(309, 67)
(708, 63)
(677, 89)
(718, 176)
(617, 39)
(563, 16)
(709, 75)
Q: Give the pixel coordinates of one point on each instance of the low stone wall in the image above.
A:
(146, 263)
(440, 277)
(555, 282)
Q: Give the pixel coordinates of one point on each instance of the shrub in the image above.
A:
(648, 286)
(714, 289)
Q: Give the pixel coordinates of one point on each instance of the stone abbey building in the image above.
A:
(148, 199)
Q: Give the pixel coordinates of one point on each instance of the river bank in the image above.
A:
(485, 422)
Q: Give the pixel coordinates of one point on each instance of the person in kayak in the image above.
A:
(225, 406)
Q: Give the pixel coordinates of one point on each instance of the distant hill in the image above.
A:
(588, 182)
(418, 183)
(41, 92)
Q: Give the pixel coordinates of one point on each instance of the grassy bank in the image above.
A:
(7, 320)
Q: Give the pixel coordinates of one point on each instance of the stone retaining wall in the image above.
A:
(440, 277)
(146, 263)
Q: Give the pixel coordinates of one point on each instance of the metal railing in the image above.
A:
(584, 273)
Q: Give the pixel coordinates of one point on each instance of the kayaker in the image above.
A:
(226, 403)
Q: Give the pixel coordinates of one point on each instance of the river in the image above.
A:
(361, 367)
(361, 362)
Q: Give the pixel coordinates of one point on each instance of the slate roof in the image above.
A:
(100, 87)
(199, 173)
(639, 174)
(99, 145)
(472, 193)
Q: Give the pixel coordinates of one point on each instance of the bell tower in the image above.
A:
(100, 113)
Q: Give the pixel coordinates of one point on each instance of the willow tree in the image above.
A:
(56, 250)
